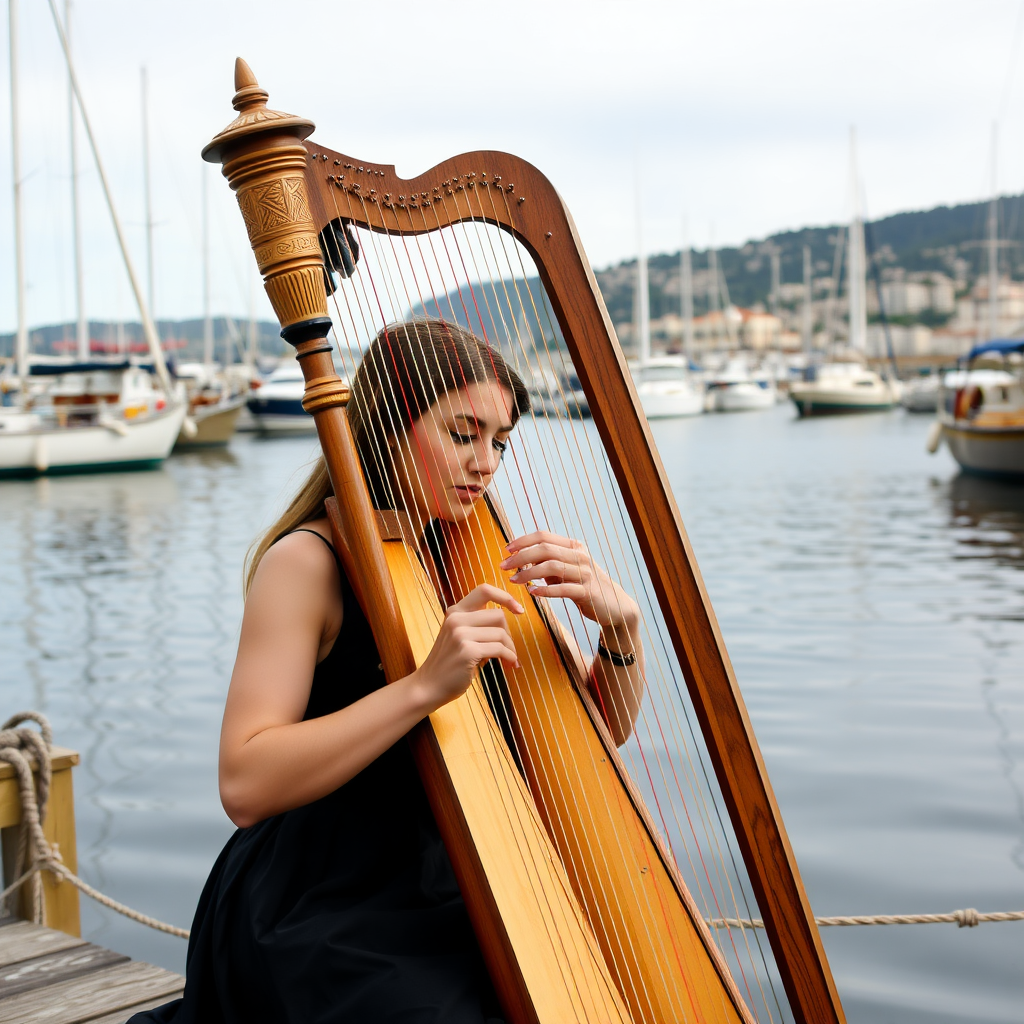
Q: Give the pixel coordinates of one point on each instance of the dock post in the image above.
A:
(60, 898)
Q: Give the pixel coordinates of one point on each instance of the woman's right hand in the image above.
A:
(471, 634)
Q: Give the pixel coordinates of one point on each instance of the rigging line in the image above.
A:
(562, 963)
(553, 811)
(574, 434)
(557, 448)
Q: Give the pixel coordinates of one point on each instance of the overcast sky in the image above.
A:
(738, 114)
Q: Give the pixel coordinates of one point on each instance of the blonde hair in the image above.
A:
(406, 369)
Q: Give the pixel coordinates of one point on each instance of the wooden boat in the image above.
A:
(571, 856)
(981, 412)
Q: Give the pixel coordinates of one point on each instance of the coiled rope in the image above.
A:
(18, 746)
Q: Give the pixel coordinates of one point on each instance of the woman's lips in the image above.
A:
(467, 493)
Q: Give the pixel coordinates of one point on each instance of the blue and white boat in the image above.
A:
(276, 405)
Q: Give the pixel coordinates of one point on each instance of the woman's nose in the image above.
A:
(484, 460)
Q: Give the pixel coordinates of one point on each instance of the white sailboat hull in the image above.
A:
(743, 397)
(665, 399)
(119, 445)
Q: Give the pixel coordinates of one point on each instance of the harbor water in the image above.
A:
(871, 596)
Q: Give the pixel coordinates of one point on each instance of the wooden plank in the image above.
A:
(122, 1015)
(23, 940)
(84, 999)
(46, 970)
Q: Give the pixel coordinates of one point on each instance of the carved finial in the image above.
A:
(244, 78)
(248, 94)
(254, 116)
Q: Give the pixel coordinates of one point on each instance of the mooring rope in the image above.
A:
(18, 745)
(969, 918)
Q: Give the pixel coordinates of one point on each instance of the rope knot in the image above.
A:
(19, 747)
(966, 918)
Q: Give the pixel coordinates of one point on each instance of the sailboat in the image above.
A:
(663, 384)
(85, 413)
(849, 385)
(215, 399)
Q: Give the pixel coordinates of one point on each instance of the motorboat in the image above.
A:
(666, 388)
(836, 388)
(737, 389)
(921, 394)
(276, 405)
(981, 412)
(82, 417)
(558, 395)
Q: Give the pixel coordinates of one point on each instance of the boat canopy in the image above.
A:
(56, 369)
(1001, 345)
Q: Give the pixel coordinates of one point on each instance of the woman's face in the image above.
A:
(446, 459)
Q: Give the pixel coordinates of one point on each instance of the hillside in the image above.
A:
(943, 239)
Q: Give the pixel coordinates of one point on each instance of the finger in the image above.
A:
(489, 635)
(552, 569)
(541, 537)
(573, 591)
(538, 552)
(478, 599)
(482, 619)
(505, 651)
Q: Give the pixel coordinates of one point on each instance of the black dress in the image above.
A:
(345, 911)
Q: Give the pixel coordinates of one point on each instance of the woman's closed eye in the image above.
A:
(499, 446)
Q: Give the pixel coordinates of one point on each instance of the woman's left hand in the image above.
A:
(565, 569)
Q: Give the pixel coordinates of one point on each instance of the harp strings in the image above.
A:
(569, 767)
(479, 572)
(466, 586)
(640, 586)
(616, 558)
(398, 500)
(358, 308)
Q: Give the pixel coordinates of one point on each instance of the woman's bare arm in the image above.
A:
(270, 760)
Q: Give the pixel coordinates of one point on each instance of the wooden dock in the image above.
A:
(50, 977)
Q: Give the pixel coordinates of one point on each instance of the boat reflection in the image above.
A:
(992, 511)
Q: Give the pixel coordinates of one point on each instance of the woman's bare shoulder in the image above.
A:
(298, 561)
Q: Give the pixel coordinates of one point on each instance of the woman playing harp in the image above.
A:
(335, 899)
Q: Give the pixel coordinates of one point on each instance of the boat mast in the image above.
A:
(807, 327)
(149, 331)
(686, 295)
(993, 245)
(714, 292)
(21, 338)
(773, 301)
(643, 297)
(207, 318)
(147, 189)
(250, 349)
(81, 324)
(856, 270)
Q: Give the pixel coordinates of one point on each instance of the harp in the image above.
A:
(588, 905)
